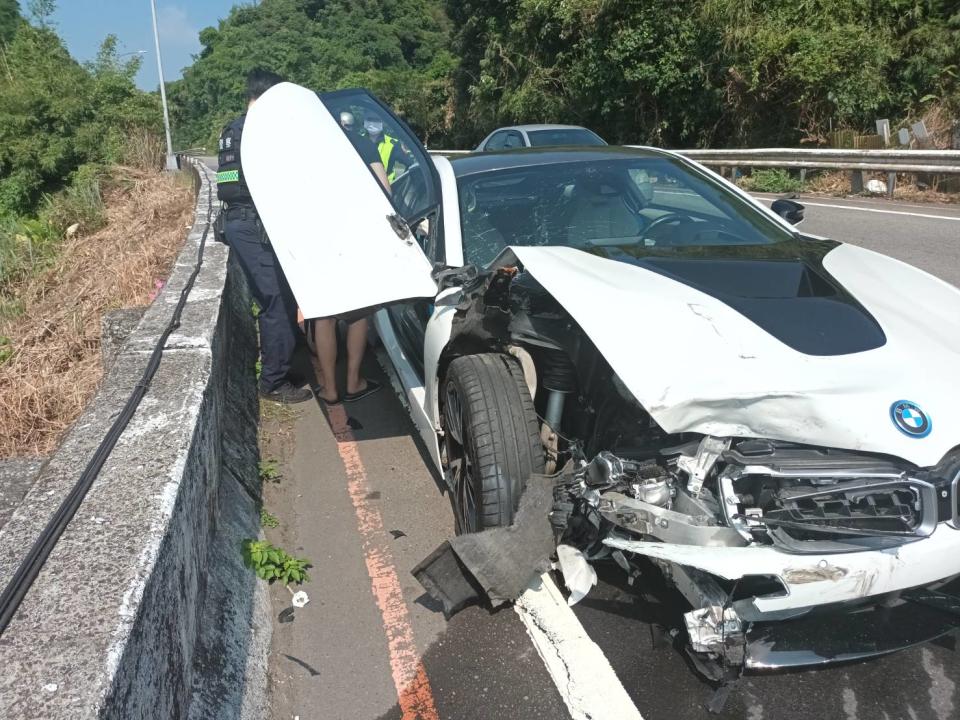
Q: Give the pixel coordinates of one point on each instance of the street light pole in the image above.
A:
(171, 159)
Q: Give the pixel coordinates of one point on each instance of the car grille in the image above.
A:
(888, 508)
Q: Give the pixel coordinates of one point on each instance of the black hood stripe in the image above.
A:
(782, 287)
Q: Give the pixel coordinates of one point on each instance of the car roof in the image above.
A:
(542, 126)
(479, 162)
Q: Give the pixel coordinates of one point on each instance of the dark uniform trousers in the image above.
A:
(278, 308)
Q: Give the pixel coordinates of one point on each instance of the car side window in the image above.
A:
(513, 140)
(378, 136)
(497, 141)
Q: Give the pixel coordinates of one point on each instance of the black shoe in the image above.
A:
(298, 380)
(287, 394)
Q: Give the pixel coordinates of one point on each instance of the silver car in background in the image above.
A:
(523, 136)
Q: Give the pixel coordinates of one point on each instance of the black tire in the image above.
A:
(492, 438)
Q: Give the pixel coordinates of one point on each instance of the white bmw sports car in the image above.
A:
(770, 419)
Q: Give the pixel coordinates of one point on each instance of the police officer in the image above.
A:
(389, 148)
(248, 241)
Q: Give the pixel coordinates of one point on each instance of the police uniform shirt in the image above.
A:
(365, 147)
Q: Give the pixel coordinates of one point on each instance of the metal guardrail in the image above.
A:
(945, 162)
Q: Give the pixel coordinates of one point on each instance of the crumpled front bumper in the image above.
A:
(815, 580)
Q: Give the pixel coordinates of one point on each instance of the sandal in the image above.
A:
(370, 389)
(328, 403)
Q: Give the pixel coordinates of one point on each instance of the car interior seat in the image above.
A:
(597, 210)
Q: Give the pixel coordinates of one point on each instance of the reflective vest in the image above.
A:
(385, 148)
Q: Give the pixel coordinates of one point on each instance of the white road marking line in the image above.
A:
(583, 675)
(850, 702)
(942, 688)
(873, 210)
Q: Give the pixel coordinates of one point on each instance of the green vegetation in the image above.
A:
(398, 48)
(772, 181)
(57, 117)
(6, 351)
(61, 125)
(267, 520)
(10, 19)
(269, 470)
(706, 72)
(272, 563)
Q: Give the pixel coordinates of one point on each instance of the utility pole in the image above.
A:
(171, 158)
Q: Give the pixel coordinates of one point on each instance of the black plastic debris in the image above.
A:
(496, 564)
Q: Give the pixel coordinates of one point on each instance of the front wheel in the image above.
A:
(492, 439)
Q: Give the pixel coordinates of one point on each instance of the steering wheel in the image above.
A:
(663, 220)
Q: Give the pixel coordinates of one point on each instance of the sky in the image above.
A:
(83, 24)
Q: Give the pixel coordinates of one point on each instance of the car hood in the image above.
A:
(698, 363)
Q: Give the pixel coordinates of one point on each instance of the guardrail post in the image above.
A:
(891, 183)
(803, 175)
(856, 182)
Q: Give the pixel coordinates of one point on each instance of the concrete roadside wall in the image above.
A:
(143, 607)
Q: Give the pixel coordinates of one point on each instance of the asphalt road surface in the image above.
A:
(357, 497)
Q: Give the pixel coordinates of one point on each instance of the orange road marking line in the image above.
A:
(409, 675)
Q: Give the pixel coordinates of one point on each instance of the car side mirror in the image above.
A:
(789, 210)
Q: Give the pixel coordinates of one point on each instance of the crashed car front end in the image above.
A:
(789, 552)
(756, 532)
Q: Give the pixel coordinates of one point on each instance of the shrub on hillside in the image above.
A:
(773, 181)
(30, 244)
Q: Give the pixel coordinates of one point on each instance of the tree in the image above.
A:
(10, 19)
(56, 116)
(41, 11)
(633, 71)
(42, 109)
(396, 47)
(670, 72)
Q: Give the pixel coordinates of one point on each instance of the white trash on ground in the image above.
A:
(578, 574)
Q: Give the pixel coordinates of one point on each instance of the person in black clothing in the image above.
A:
(249, 242)
(325, 329)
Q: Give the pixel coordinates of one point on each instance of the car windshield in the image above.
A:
(641, 204)
(569, 136)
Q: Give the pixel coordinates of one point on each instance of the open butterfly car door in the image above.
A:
(344, 242)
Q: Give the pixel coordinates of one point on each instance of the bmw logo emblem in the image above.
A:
(910, 419)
